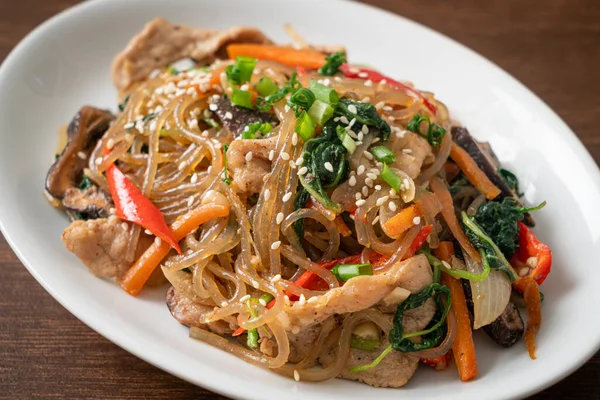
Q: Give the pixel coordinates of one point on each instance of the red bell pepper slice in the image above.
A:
(131, 205)
(365, 73)
(530, 247)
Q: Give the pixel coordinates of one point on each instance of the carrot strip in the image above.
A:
(134, 279)
(534, 310)
(463, 347)
(441, 191)
(402, 221)
(452, 170)
(306, 58)
(215, 76)
(238, 331)
(474, 174)
(440, 363)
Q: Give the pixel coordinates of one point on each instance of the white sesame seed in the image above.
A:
(336, 119)
(302, 299)
(392, 206)
(98, 161)
(368, 83)
(523, 272)
(352, 109)
(365, 129)
(379, 105)
(129, 125)
(296, 375)
(532, 262)
(110, 143)
(387, 108)
(406, 183)
(271, 155)
(286, 197)
(375, 140)
(352, 181)
(416, 220)
(275, 245)
(302, 171)
(286, 300)
(209, 169)
(249, 156)
(383, 81)
(286, 108)
(182, 165)
(276, 278)
(292, 164)
(193, 124)
(365, 191)
(217, 145)
(392, 192)
(344, 120)
(190, 201)
(337, 78)
(262, 302)
(351, 123)
(157, 241)
(375, 220)
(284, 155)
(407, 151)
(224, 304)
(366, 99)
(372, 175)
(446, 264)
(360, 136)
(267, 194)
(328, 166)
(360, 202)
(213, 107)
(299, 161)
(194, 178)
(326, 82)
(205, 133)
(368, 155)
(377, 187)
(228, 115)
(363, 75)
(352, 134)
(81, 155)
(358, 195)
(294, 139)
(244, 298)
(391, 118)
(279, 218)
(382, 200)
(255, 284)
(369, 182)
(147, 232)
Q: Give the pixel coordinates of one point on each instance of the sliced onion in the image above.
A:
(490, 296)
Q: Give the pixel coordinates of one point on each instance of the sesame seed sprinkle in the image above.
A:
(213, 107)
(368, 155)
(446, 264)
(360, 170)
(299, 161)
(344, 120)
(98, 161)
(286, 197)
(279, 218)
(296, 375)
(249, 156)
(382, 200)
(194, 178)
(147, 232)
(244, 298)
(352, 181)
(392, 206)
(328, 166)
(407, 151)
(262, 302)
(368, 83)
(294, 139)
(302, 299)
(275, 245)
(81, 155)
(377, 187)
(360, 202)
(255, 284)
(224, 304)
(157, 241)
(352, 109)
(285, 155)
(276, 278)
(379, 105)
(292, 164)
(375, 220)
(371, 175)
(302, 171)
(365, 190)
(358, 195)
(267, 194)
(366, 99)
(369, 182)
(190, 201)
(271, 155)
(416, 220)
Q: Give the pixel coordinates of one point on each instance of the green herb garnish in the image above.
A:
(511, 181)
(365, 114)
(333, 64)
(225, 172)
(241, 71)
(435, 133)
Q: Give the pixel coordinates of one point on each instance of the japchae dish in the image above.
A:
(311, 216)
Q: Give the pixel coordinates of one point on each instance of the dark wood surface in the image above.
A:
(552, 46)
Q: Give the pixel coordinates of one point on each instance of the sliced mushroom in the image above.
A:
(488, 162)
(83, 132)
(237, 118)
(90, 203)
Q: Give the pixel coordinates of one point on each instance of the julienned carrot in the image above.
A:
(402, 221)
(452, 170)
(134, 279)
(474, 174)
(441, 191)
(534, 310)
(306, 58)
(463, 347)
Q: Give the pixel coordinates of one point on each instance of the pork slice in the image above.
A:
(411, 151)
(301, 342)
(249, 176)
(189, 312)
(100, 244)
(358, 293)
(161, 43)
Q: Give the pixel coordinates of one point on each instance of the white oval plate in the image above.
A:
(65, 63)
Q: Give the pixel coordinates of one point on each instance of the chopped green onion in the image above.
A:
(225, 173)
(333, 63)
(391, 178)
(324, 93)
(148, 117)
(172, 70)
(435, 133)
(241, 98)
(251, 130)
(252, 340)
(241, 71)
(457, 273)
(305, 126)
(383, 154)
(343, 272)
(266, 86)
(320, 112)
(346, 140)
(363, 344)
(267, 297)
(301, 101)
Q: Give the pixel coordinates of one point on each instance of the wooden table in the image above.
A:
(551, 46)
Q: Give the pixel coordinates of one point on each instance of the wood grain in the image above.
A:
(552, 46)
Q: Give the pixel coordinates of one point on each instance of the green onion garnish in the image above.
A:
(267, 297)
(324, 93)
(266, 86)
(363, 344)
(435, 133)
(251, 130)
(383, 154)
(391, 178)
(346, 140)
(301, 101)
(241, 98)
(333, 64)
(320, 112)
(252, 340)
(343, 272)
(241, 71)
(305, 126)
(225, 173)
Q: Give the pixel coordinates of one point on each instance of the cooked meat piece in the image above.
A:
(488, 162)
(240, 116)
(301, 342)
(248, 176)
(396, 368)
(100, 244)
(390, 302)
(83, 132)
(188, 312)
(91, 203)
(508, 328)
(358, 293)
(161, 43)
(411, 150)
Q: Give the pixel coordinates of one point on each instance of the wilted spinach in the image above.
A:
(333, 63)
(511, 180)
(366, 114)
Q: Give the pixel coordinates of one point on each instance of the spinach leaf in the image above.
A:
(300, 200)
(490, 253)
(319, 153)
(434, 333)
(499, 221)
(366, 114)
(85, 183)
(511, 180)
(333, 64)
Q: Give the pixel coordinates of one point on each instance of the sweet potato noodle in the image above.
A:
(323, 172)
